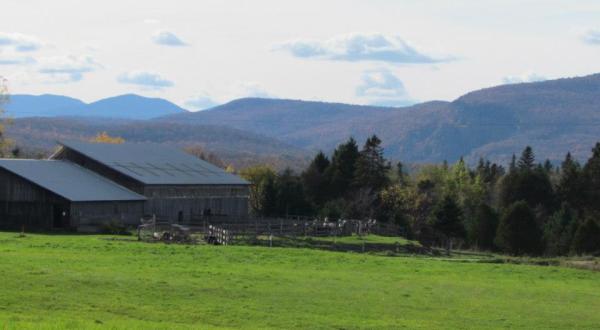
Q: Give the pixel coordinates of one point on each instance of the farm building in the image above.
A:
(84, 185)
(46, 194)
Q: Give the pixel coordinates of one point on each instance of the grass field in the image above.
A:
(64, 281)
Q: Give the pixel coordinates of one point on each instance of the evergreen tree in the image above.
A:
(591, 172)
(268, 197)
(315, 181)
(340, 173)
(527, 159)
(570, 188)
(518, 232)
(290, 197)
(371, 167)
(513, 164)
(483, 230)
(548, 167)
(559, 231)
(532, 186)
(587, 237)
(402, 176)
(447, 220)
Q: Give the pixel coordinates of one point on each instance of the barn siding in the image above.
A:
(169, 201)
(88, 216)
(193, 200)
(25, 204)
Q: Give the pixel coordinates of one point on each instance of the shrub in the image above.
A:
(114, 227)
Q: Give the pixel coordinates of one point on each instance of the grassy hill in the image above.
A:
(54, 281)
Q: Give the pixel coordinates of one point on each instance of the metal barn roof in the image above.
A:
(155, 164)
(68, 180)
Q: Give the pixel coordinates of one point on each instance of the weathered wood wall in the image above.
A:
(177, 203)
(184, 202)
(24, 203)
(90, 216)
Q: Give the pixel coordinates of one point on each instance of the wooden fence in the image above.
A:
(227, 230)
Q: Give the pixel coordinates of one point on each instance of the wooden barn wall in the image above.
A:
(97, 167)
(183, 203)
(24, 203)
(87, 216)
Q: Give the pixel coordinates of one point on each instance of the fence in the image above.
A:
(222, 230)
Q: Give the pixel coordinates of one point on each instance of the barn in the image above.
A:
(49, 194)
(84, 185)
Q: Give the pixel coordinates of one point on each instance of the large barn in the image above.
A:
(85, 185)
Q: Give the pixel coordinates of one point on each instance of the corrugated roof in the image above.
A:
(68, 180)
(155, 164)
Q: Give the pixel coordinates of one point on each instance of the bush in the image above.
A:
(114, 227)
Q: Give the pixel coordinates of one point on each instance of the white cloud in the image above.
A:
(233, 91)
(6, 59)
(19, 42)
(591, 37)
(382, 87)
(523, 78)
(201, 102)
(144, 79)
(67, 68)
(360, 47)
(248, 89)
(167, 38)
(151, 21)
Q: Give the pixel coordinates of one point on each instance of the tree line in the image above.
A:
(526, 208)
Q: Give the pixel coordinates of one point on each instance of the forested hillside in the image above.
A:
(553, 116)
(233, 146)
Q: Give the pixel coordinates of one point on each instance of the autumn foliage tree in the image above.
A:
(103, 137)
(6, 145)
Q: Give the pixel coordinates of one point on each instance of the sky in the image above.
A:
(198, 54)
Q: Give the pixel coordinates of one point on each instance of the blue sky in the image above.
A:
(201, 53)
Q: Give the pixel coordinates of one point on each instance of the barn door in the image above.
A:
(61, 217)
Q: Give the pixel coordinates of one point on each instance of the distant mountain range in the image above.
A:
(552, 116)
(129, 106)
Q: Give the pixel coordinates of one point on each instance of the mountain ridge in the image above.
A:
(553, 116)
(125, 106)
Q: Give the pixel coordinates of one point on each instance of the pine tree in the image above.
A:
(587, 237)
(290, 197)
(591, 172)
(341, 172)
(518, 232)
(372, 167)
(559, 231)
(315, 181)
(447, 220)
(485, 224)
(513, 164)
(402, 177)
(570, 187)
(548, 166)
(527, 159)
